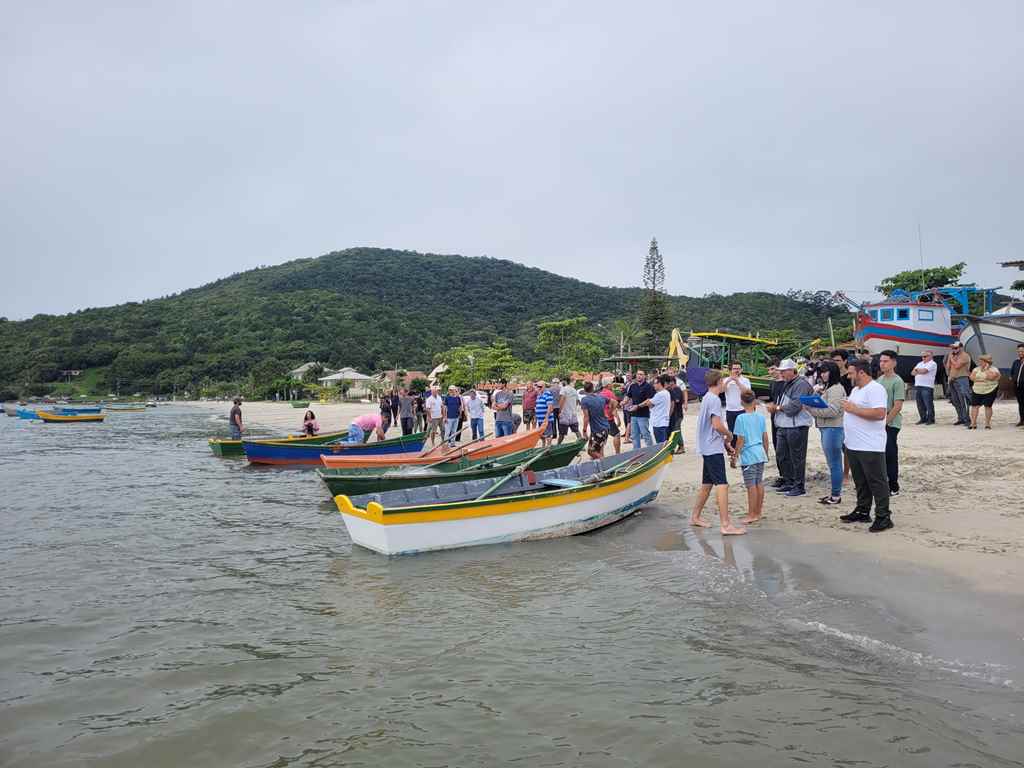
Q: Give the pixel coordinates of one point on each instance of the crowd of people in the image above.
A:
(854, 401)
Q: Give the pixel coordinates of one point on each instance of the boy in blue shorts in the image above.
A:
(752, 448)
(714, 440)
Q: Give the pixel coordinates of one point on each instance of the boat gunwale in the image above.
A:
(380, 514)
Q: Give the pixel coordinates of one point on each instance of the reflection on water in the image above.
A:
(163, 607)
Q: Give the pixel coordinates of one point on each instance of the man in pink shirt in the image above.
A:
(361, 426)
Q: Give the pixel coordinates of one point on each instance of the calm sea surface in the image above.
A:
(162, 607)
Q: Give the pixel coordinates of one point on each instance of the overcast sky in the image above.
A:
(146, 150)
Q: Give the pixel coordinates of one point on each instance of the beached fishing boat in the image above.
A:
(72, 410)
(11, 409)
(997, 334)
(356, 482)
(227, 448)
(299, 403)
(526, 506)
(494, 446)
(28, 414)
(291, 453)
(58, 418)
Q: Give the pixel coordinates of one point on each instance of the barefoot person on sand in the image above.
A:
(752, 447)
(714, 440)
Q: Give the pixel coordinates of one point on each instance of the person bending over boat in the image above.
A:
(361, 427)
(310, 426)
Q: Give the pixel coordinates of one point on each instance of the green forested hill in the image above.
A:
(364, 307)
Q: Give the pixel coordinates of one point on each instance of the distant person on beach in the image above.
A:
(611, 413)
(659, 406)
(864, 417)
(361, 427)
(774, 393)
(454, 414)
(714, 440)
(385, 412)
(679, 396)
(829, 421)
(530, 402)
(406, 411)
(985, 387)
(896, 390)
(396, 405)
(235, 417)
(639, 415)
(434, 406)
(1017, 374)
(958, 379)
(420, 411)
(543, 412)
(501, 404)
(924, 388)
(568, 414)
(310, 426)
(793, 423)
(735, 385)
(627, 382)
(475, 410)
(752, 448)
(839, 358)
(595, 420)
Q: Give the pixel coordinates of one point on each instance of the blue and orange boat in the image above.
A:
(291, 453)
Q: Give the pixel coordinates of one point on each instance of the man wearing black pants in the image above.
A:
(1017, 374)
(896, 393)
(793, 422)
(865, 411)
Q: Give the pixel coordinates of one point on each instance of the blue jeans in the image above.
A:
(451, 428)
(477, 426)
(502, 428)
(925, 397)
(355, 434)
(236, 433)
(639, 429)
(832, 445)
(960, 394)
(660, 434)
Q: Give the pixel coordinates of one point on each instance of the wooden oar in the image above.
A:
(457, 453)
(517, 471)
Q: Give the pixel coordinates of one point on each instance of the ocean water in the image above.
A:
(162, 607)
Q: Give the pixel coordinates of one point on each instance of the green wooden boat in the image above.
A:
(299, 403)
(227, 448)
(354, 482)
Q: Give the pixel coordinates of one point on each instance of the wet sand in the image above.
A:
(961, 509)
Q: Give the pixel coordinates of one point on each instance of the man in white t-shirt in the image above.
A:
(864, 438)
(924, 388)
(474, 405)
(435, 418)
(661, 408)
(568, 413)
(735, 385)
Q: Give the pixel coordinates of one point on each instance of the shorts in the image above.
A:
(528, 417)
(597, 441)
(753, 474)
(713, 472)
(613, 429)
(550, 429)
(564, 429)
(987, 400)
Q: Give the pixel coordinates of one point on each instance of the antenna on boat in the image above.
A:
(920, 254)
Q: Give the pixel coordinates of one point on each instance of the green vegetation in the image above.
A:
(922, 279)
(368, 308)
(655, 314)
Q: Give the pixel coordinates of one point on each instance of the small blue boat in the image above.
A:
(292, 453)
(28, 413)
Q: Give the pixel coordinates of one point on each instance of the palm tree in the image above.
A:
(629, 331)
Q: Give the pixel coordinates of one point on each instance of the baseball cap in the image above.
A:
(787, 365)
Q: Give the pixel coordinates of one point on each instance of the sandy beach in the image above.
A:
(959, 510)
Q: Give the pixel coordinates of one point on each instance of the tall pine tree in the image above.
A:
(655, 314)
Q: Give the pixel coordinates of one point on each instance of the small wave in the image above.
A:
(987, 672)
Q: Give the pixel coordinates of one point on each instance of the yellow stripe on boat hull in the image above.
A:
(374, 512)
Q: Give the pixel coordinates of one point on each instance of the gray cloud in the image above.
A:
(145, 150)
